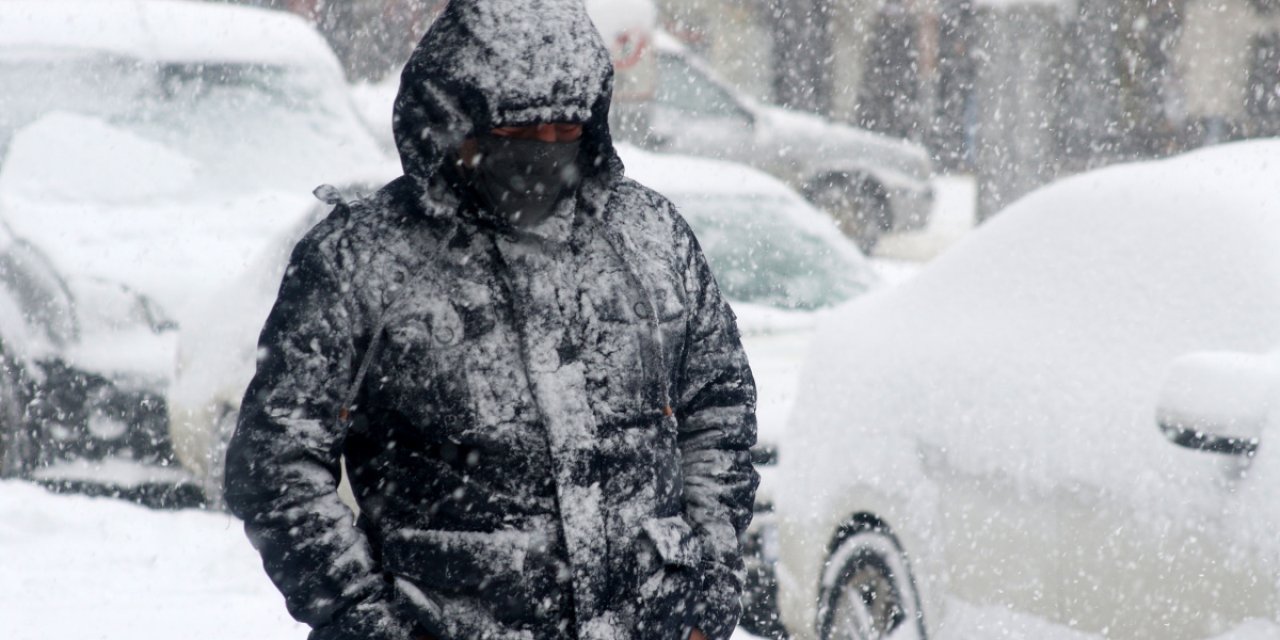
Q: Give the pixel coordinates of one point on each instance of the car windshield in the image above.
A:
(687, 90)
(245, 125)
(761, 256)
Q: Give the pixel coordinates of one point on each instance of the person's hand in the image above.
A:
(697, 634)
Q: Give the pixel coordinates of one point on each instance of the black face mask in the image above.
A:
(522, 181)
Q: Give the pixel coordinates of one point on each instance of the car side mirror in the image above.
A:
(1219, 402)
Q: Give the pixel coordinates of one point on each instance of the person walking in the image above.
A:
(523, 363)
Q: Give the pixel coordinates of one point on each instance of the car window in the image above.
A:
(684, 88)
(759, 256)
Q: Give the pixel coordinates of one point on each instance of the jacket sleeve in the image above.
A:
(283, 464)
(715, 406)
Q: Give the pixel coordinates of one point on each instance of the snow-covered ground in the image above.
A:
(80, 568)
(77, 568)
(97, 568)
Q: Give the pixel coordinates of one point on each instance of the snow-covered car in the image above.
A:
(986, 433)
(82, 369)
(776, 258)
(870, 183)
(163, 142)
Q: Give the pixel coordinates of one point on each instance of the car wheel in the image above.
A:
(860, 210)
(867, 589)
(760, 615)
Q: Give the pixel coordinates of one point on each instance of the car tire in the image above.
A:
(867, 590)
(856, 204)
(760, 614)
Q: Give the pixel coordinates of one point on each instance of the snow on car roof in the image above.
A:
(162, 30)
(1035, 349)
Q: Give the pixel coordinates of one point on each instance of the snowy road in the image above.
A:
(78, 568)
(95, 568)
(92, 568)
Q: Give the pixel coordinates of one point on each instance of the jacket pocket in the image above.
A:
(513, 571)
(674, 540)
(454, 559)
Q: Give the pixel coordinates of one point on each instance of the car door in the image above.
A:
(1002, 536)
(1166, 568)
(693, 115)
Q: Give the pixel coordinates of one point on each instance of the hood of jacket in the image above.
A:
(492, 63)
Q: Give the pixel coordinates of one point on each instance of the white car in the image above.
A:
(986, 433)
(162, 142)
(83, 363)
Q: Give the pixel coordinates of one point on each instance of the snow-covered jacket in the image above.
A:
(546, 430)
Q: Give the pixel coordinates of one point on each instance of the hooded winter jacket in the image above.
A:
(546, 429)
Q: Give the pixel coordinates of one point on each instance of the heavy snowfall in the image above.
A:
(986, 293)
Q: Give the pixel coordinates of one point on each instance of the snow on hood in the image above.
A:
(488, 63)
(72, 157)
(1035, 349)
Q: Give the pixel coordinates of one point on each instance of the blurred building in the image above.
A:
(1228, 68)
(860, 61)
(1015, 91)
(371, 37)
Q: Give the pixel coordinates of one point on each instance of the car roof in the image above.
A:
(162, 31)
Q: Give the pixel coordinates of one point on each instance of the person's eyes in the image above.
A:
(568, 131)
